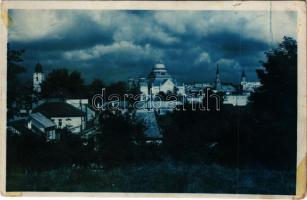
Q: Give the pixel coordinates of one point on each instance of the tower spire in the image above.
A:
(243, 73)
(243, 76)
(217, 78)
(38, 68)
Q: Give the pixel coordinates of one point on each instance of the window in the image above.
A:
(60, 122)
(36, 78)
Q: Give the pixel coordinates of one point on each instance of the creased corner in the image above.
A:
(301, 180)
(11, 194)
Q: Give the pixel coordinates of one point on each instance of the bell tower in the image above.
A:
(243, 80)
(38, 78)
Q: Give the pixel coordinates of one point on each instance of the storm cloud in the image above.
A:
(117, 45)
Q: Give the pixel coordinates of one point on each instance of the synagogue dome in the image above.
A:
(159, 66)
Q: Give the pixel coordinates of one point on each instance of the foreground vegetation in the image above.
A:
(165, 176)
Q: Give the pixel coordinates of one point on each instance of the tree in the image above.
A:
(119, 138)
(275, 108)
(95, 87)
(62, 83)
(200, 135)
(14, 69)
(76, 85)
(278, 77)
(119, 88)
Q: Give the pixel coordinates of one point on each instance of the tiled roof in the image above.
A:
(19, 125)
(58, 109)
(43, 120)
(151, 123)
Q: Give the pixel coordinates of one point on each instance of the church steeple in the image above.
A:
(243, 76)
(38, 78)
(243, 80)
(38, 68)
(217, 78)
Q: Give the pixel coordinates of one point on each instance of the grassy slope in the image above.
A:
(156, 177)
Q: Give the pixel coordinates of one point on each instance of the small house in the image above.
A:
(39, 123)
(63, 115)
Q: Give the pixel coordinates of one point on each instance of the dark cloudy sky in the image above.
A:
(117, 45)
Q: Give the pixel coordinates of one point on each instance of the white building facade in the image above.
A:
(38, 78)
(63, 115)
(159, 81)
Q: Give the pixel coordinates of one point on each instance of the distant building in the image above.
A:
(38, 78)
(63, 115)
(159, 81)
(227, 88)
(236, 99)
(197, 88)
(40, 124)
(248, 86)
(236, 95)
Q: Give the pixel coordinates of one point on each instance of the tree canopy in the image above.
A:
(278, 77)
(14, 69)
(275, 106)
(62, 83)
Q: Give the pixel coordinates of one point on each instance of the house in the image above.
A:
(83, 105)
(63, 115)
(18, 127)
(40, 124)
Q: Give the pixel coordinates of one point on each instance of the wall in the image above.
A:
(75, 124)
(38, 78)
(82, 104)
(168, 86)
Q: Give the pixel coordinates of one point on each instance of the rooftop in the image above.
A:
(151, 123)
(44, 121)
(19, 125)
(58, 109)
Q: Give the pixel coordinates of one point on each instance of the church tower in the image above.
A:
(243, 77)
(218, 85)
(38, 78)
(243, 80)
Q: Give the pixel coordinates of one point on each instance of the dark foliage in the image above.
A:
(32, 151)
(263, 133)
(275, 106)
(14, 69)
(95, 87)
(120, 138)
(119, 88)
(64, 84)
